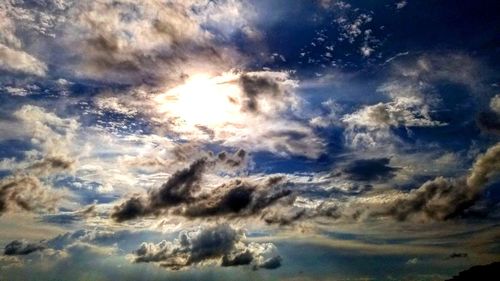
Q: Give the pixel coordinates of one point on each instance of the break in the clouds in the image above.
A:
(213, 139)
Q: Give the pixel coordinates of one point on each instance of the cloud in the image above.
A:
(17, 248)
(403, 111)
(401, 4)
(495, 104)
(25, 192)
(133, 43)
(52, 133)
(458, 255)
(485, 169)
(370, 169)
(254, 110)
(179, 188)
(53, 137)
(413, 97)
(412, 261)
(438, 199)
(19, 61)
(270, 87)
(441, 198)
(238, 198)
(220, 244)
(64, 218)
(183, 195)
(488, 120)
(12, 57)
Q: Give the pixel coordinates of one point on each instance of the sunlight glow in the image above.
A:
(203, 101)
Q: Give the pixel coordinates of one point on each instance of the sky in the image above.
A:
(248, 140)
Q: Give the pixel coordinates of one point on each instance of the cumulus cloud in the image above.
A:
(220, 244)
(134, 43)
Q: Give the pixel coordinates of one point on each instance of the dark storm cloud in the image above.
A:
(238, 198)
(25, 192)
(21, 248)
(131, 209)
(219, 244)
(179, 188)
(182, 189)
(370, 169)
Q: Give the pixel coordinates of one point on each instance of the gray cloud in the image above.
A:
(179, 188)
(238, 198)
(220, 244)
(488, 120)
(159, 46)
(254, 86)
(21, 248)
(63, 218)
(442, 198)
(436, 200)
(19, 61)
(25, 192)
(181, 194)
(370, 169)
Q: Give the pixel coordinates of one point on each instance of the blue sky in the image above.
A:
(268, 140)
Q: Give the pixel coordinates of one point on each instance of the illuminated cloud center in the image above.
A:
(211, 102)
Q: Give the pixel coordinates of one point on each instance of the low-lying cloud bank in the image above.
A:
(220, 245)
(436, 200)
